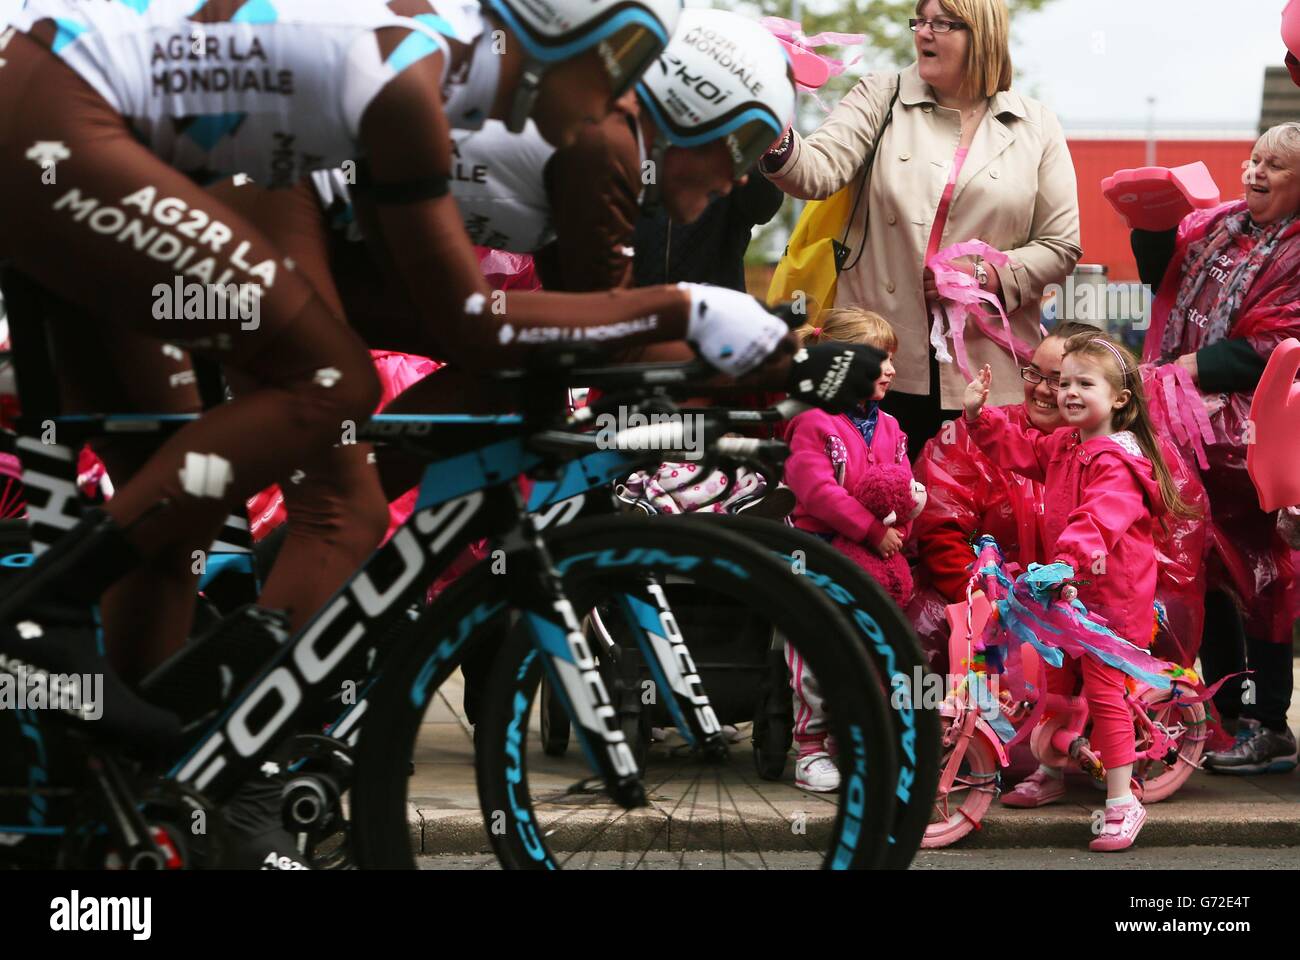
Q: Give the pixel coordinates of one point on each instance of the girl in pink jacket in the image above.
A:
(830, 455)
(1106, 487)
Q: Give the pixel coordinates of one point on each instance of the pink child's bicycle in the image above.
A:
(1002, 698)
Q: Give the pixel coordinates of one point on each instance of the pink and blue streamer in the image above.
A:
(1029, 612)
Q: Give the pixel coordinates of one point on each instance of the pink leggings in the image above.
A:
(1103, 687)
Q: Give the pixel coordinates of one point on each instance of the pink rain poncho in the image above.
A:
(1251, 560)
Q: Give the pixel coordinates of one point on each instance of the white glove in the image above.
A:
(732, 330)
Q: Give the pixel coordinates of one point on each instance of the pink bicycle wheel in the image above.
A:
(960, 811)
(1186, 725)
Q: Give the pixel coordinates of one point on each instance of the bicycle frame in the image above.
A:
(461, 499)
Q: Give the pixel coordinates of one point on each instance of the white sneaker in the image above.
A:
(817, 772)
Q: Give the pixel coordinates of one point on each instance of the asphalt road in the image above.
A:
(1154, 858)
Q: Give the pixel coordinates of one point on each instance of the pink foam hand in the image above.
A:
(1273, 458)
(811, 69)
(1157, 198)
(1291, 29)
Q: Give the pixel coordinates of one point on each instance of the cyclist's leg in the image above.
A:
(337, 513)
(147, 613)
(105, 232)
(446, 390)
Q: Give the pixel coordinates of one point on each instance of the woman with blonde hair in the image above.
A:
(961, 156)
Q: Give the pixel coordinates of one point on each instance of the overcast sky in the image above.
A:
(1095, 62)
(1098, 60)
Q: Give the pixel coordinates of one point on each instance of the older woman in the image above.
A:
(963, 157)
(1230, 294)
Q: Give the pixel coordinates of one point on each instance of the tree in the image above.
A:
(883, 21)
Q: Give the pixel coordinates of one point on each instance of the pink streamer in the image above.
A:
(962, 299)
(1185, 411)
(1169, 386)
(1193, 399)
(800, 44)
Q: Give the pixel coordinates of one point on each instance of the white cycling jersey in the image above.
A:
(268, 88)
(497, 178)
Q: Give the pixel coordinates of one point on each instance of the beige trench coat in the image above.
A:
(1016, 192)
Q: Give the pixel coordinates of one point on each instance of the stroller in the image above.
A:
(739, 662)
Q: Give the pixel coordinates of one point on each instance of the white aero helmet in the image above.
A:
(721, 76)
(627, 34)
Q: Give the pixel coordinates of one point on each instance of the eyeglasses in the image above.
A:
(1030, 375)
(938, 26)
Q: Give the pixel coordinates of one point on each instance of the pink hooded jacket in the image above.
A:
(1100, 503)
(823, 503)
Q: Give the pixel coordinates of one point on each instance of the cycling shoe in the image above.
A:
(255, 837)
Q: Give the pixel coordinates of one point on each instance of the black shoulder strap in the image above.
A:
(842, 253)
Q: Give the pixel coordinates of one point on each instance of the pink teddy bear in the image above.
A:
(890, 493)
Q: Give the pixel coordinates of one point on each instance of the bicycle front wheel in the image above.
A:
(743, 616)
(702, 808)
(891, 643)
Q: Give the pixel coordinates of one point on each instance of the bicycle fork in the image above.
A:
(673, 668)
(574, 673)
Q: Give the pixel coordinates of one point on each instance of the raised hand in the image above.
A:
(977, 392)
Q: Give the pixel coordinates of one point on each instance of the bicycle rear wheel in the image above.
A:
(1184, 721)
(535, 818)
(891, 643)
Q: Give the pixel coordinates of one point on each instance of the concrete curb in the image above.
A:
(444, 816)
(462, 831)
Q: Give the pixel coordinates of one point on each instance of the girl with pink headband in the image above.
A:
(1106, 486)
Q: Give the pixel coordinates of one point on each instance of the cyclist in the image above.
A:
(739, 98)
(698, 115)
(110, 112)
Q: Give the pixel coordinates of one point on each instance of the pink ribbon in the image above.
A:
(1185, 410)
(812, 69)
(961, 298)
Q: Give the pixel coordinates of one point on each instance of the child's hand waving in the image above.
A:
(977, 392)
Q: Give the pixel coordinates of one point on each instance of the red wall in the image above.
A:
(1105, 237)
